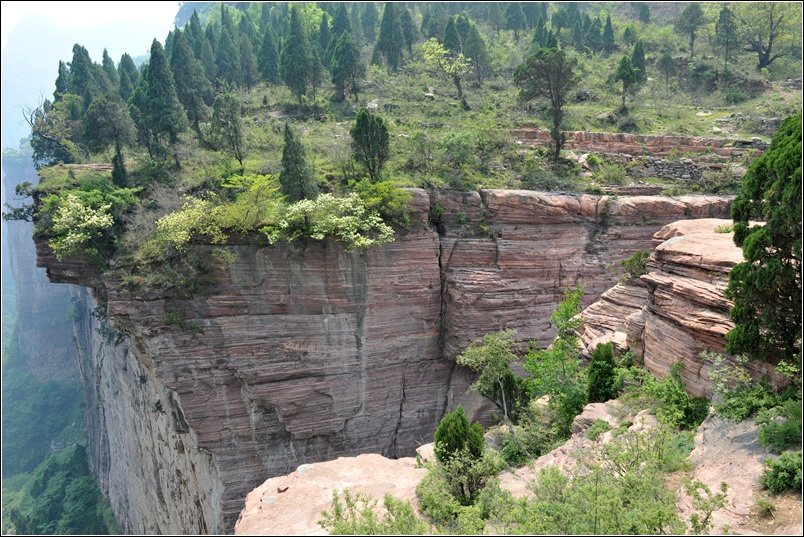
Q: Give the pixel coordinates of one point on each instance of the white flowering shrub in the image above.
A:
(79, 228)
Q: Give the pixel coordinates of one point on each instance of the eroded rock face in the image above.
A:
(302, 352)
(676, 310)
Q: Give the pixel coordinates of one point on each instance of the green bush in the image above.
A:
(454, 433)
(600, 375)
(598, 427)
(356, 516)
(783, 473)
(779, 437)
(678, 408)
(636, 265)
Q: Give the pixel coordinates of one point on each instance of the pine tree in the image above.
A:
(409, 31)
(296, 60)
(688, 23)
(341, 23)
(462, 26)
(625, 73)
(356, 24)
(608, 35)
(495, 17)
(195, 34)
(268, 61)
(638, 62)
(209, 62)
(391, 42)
(726, 34)
(227, 57)
(577, 36)
(600, 375)
(438, 22)
(110, 70)
(766, 288)
(454, 433)
(127, 64)
(370, 142)
(666, 65)
(514, 18)
(227, 130)
(475, 49)
(592, 37)
(532, 11)
(249, 71)
(165, 114)
(346, 66)
(108, 123)
(369, 19)
(81, 71)
(644, 13)
(451, 39)
(192, 86)
(296, 179)
(323, 33)
(62, 82)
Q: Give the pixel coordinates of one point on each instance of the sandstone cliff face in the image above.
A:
(677, 309)
(302, 352)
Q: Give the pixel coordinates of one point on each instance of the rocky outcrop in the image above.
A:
(302, 352)
(676, 310)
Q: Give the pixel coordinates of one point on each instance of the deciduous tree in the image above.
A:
(548, 73)
(454, 66)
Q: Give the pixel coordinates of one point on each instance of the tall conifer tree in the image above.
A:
(268, 61)
(296, 60)
(391, 42)
(296, 179)
(192, 86)
(165, 114)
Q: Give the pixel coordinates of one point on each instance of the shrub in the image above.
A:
(454, 434)
(357, 517)
(600, 376)
(611, 174)
(636, 265)
(783, 473)
(598, 427)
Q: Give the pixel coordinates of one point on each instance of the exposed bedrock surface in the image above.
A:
(677, 309)
(303, 352)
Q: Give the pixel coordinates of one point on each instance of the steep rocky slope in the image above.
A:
(677, 309)
(303, 352)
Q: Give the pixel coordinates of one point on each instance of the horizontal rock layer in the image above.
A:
(303, 352)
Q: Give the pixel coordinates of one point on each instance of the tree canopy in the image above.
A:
(766, 288)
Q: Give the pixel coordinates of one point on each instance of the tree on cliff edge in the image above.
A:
(766, 288)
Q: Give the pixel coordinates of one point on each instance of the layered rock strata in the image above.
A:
(302, 352)
(678, 309)
(655, 145)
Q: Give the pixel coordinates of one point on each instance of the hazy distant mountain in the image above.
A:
(31, 60)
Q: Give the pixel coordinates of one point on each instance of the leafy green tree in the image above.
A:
(370, 142)
(766, 288)
(600, 375)
(771, 30)
(409, 31)
(296, 61)
(268, 59)
(514, 18)
(667, 66)
(477, 52)
(638, 62)
(451, 40)
(391, 41)
(608, 36)
(227, 128)
(108, 123)
(369, 19)
(492, 357)
(689, 22)
(451, 65)
(454, 433)
(726, 34)
(556, 371)
(296, 179)
(625, 73)
(347, 67)
(53, 132)
(193, 89)
(548, 73)
(164, 113)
